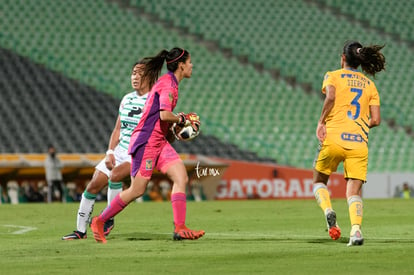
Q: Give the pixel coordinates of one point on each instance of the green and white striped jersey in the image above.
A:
(130, 112)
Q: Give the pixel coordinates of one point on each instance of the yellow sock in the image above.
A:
(322, 196)
(355, 210)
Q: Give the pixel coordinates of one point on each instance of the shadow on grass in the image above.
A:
(217, 237)
(326, 240)
(140, 236)
(391, 241)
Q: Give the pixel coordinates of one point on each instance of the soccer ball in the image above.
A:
(185, 133)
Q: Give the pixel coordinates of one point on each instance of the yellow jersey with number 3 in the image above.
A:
(347, 123)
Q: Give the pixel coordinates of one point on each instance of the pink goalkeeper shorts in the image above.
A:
(148, 157)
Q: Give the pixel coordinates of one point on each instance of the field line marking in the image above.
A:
(21, 229)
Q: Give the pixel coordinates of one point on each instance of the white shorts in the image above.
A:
(121, 156)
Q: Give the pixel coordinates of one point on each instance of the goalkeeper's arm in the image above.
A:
(181, 119)
(171, 117)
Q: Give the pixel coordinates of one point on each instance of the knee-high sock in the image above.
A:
(114, 188)
(85, 210)
(355, 210)
(116, 206)
(179, 206)
(322, 196)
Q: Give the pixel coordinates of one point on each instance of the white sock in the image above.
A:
(355, 228)
(114, 188)
(85, 211)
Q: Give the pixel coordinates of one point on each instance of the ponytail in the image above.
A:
(370, 58)
(153, 67)
(154, 64)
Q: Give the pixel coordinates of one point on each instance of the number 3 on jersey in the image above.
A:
(355, 103)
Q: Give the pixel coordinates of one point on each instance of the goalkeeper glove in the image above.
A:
(194, 120)
(181, 119)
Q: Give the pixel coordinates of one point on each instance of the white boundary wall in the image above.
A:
(384, 185)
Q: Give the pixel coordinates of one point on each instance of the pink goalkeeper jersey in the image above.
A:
(150, 129)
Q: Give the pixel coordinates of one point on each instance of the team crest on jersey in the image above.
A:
(170, 96)
(148, 164)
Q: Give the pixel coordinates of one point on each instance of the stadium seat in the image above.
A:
(93, 43)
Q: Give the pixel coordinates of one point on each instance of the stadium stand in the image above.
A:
(394, 18)
(41, 107)
(96, 42)
(296, 37)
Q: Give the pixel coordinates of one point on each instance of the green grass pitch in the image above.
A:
(242, 237)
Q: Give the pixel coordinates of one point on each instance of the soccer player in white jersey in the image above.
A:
(116, 166)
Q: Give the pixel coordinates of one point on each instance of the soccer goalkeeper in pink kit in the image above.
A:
(149, 147)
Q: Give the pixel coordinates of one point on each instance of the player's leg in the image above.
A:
(97, 183)
(355, 169)
(323, 199)
(61, 187)
(326, 162)
(171, 164)
(49, 191)
(135, 190)
(141, 168)
(56, 190)
(355, 207)
(118, 174)
(321, 192)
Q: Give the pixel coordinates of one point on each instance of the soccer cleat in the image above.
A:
(76, 235)
(97, 227)
(356, 239)
(108, 226)
(333, 228)
(183, 233)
